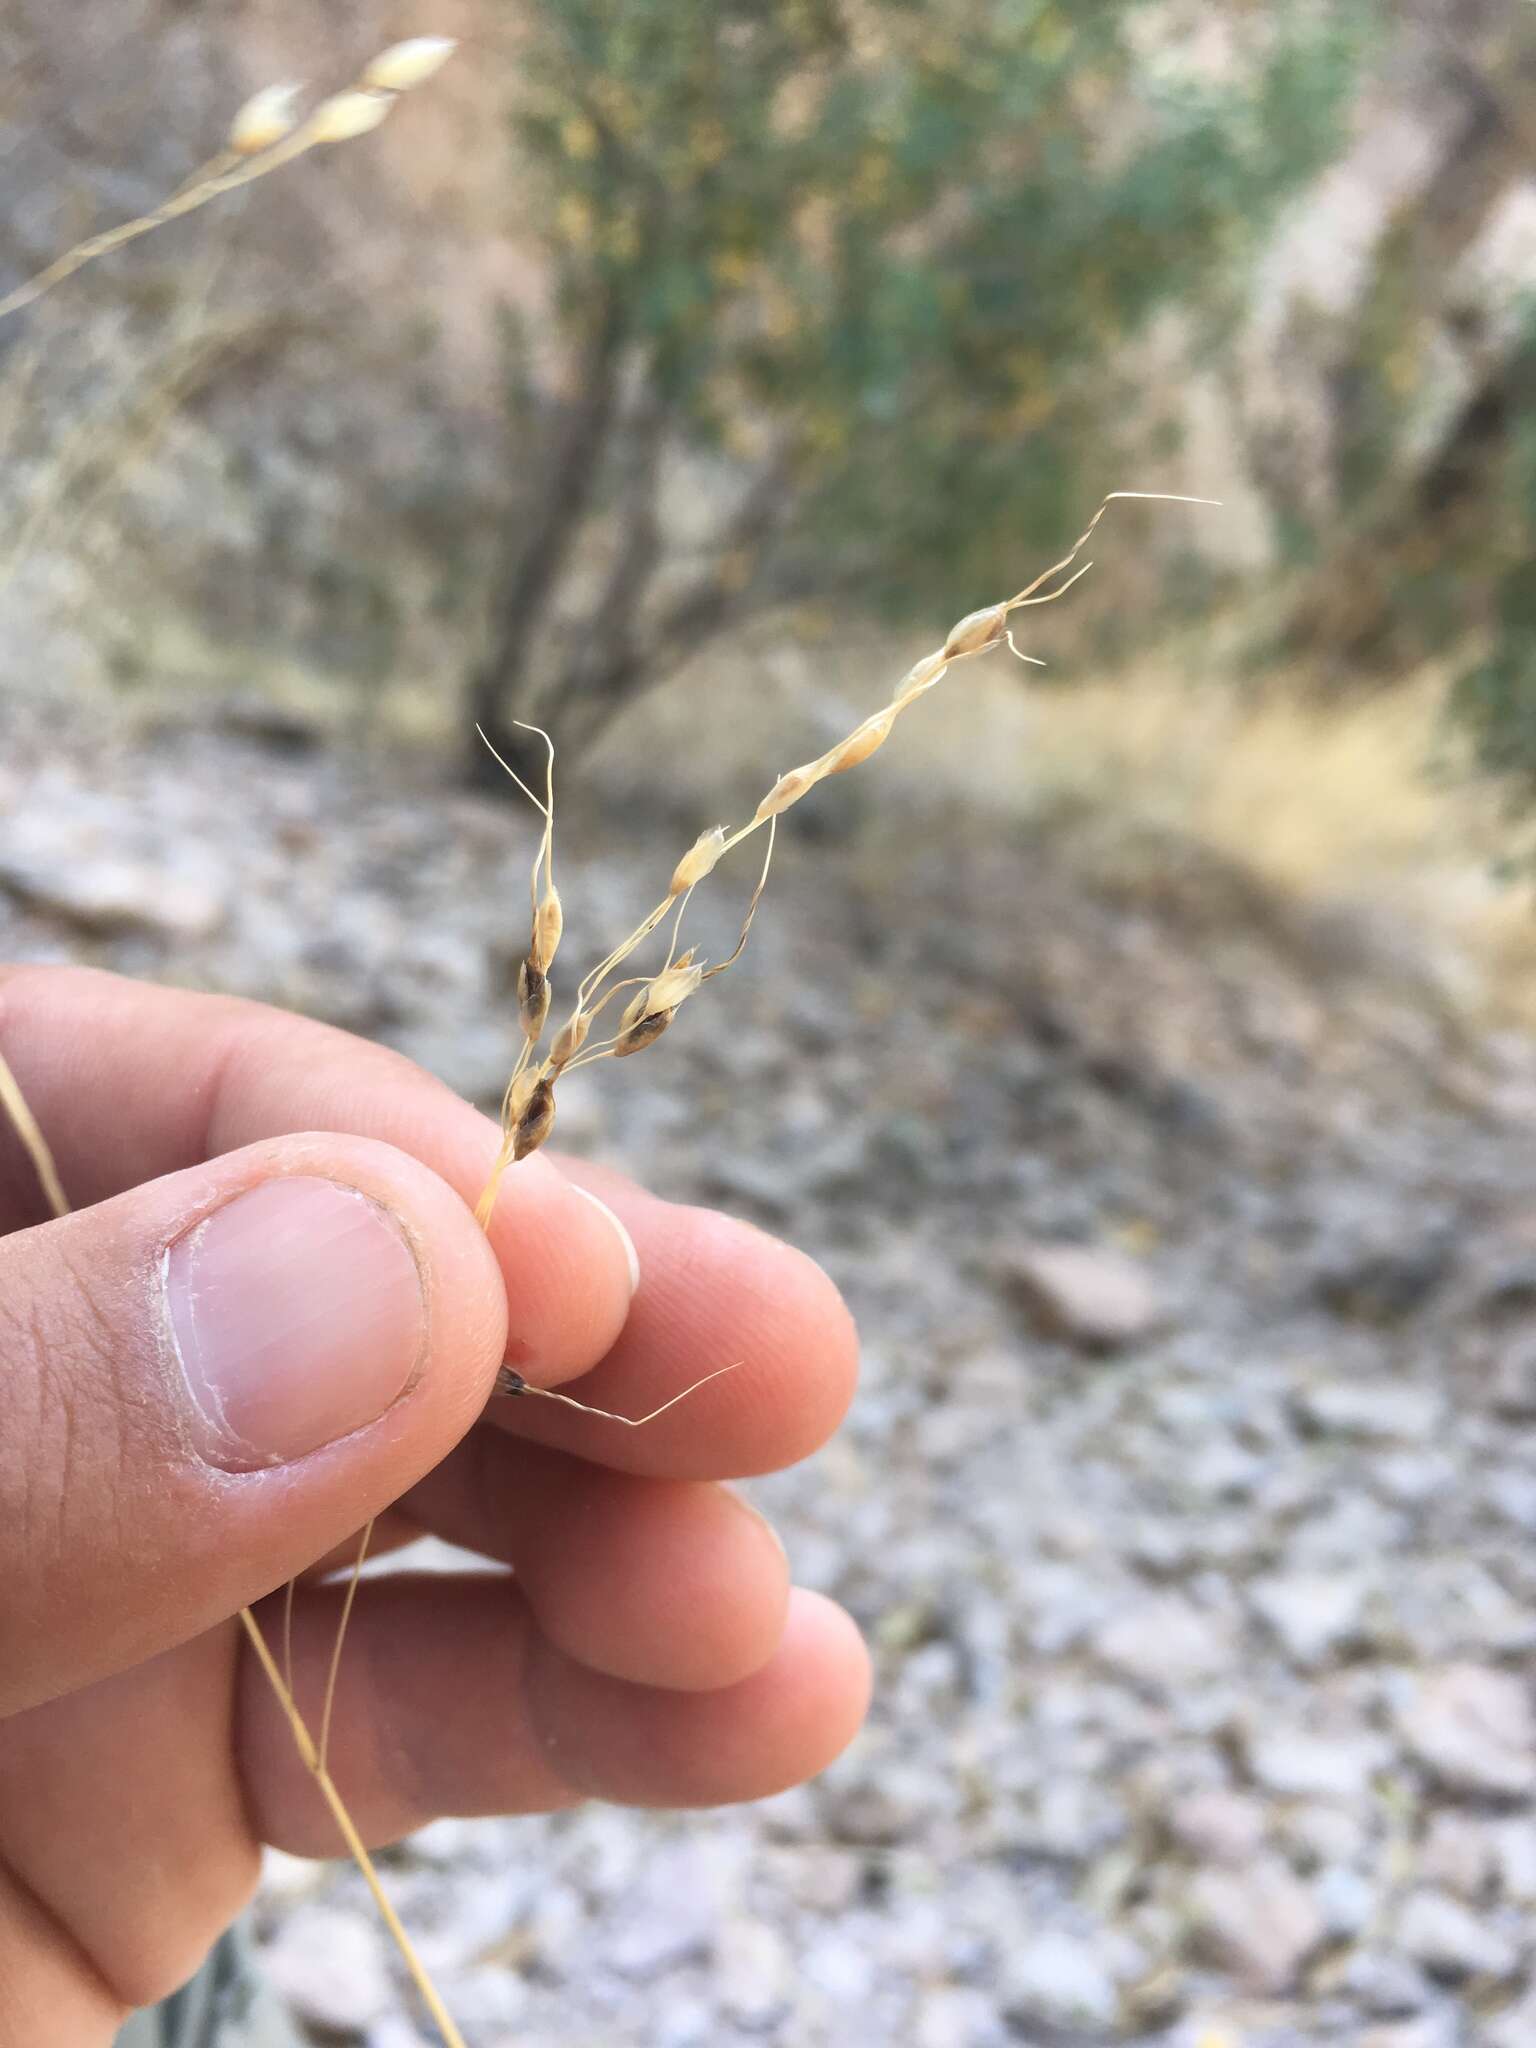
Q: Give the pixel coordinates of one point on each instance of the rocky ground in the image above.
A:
(1190, 1497)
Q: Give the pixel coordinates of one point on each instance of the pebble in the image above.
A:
(1166, 1643)
(1056, 1979)
(332, 1966)
(1459, 1855)
(105, 896)
(1451, 1941)
(1260, 1923)
(1383, 1411)
(1346, 1899)
(1293, 1764)
(1215, 1825)
(1085, 1294)
(1472, 1727)
(753, 1972)
(1311, 1613)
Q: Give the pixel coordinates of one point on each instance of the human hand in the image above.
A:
(273, 1316)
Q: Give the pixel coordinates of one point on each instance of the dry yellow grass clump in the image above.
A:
(1362, 805)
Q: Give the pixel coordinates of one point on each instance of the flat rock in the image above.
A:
(1450, 1941)
(1086, 1295)
(1459, 1856)
(1297, 1764)
(1261, 1923)
(1346, 1899)
(101, 895)
(1055, 1979)
(1165, 1642)
(1216, 1825)
(1473, 1728)
(754, 1973)
(1381, 1411)
(1311, 1614)
(332, 1967)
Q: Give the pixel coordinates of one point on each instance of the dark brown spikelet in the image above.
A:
(643, 1032)
(536, 1121)
(532, 998)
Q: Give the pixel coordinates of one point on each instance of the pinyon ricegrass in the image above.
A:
(265, 134)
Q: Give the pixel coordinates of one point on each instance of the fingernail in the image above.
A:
(624, 1237)
(298, 1316)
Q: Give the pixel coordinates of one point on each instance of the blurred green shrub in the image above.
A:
(1496, 697)
(872, 271)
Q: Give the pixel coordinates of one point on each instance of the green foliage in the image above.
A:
(912, 239)
(1496, 698)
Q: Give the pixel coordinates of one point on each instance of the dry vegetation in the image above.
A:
(1321, 803)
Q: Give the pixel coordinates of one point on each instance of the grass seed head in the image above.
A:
(674, 984)
(569, 1040)
(698, 861)
(407, 64)
(535, 1120)
(347, 115)
(265, 120)
(548, 924)
(532, 999)
(643, 1032)
(786, 791)
(922, 675)
(975, 631)
(860, 744)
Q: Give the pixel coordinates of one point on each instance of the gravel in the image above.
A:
(1203, 1708)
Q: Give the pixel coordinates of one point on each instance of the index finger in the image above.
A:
(129, 1082)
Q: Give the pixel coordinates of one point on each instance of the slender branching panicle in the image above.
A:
(265, 134)
(528, 1109)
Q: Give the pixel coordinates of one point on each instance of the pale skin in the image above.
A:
(649, 1649)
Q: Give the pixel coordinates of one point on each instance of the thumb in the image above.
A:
(208, 1382)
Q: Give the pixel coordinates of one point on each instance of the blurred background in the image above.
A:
(1144, 1042)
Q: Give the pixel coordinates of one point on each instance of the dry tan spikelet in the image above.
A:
(569, 1040)
(788, 790)
(408, 64)
(266, 119)
(698, 861)
(975, 631)
(650, 1012)
(671, 987)
(922, 675)
(347, 115)
(859, 744)
(548, 924)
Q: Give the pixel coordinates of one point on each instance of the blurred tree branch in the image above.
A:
(842, 291)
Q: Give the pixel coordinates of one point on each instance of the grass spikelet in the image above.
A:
(267, 118)
(263, 136)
